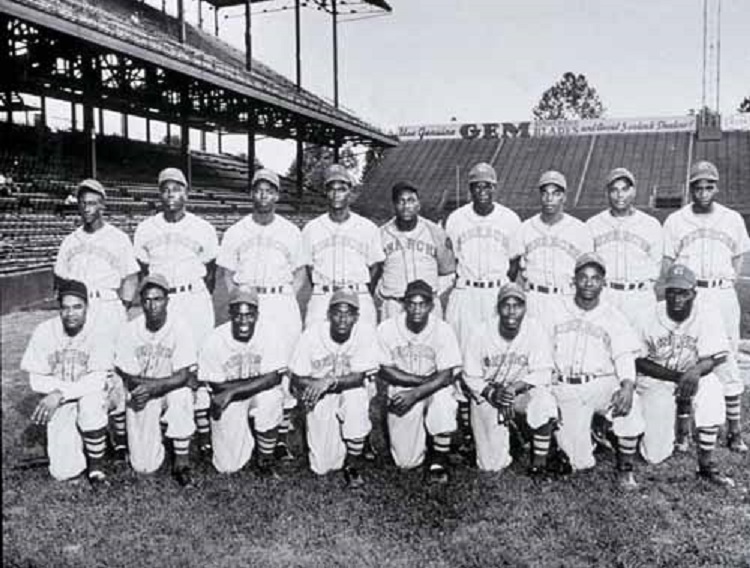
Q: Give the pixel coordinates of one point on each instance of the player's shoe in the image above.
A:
(368, 452)
(98, 479)
(558, 463)
(282, 452)
(626, 481)
(714, 477)
(266, 470)
(120, 455)
(437, 474)
(352, 477)
(735, 443)
(682, 445)
(183, 477)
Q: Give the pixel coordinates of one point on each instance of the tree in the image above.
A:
(373, 156)
(570, 98)
(744, 105)
(315, 160)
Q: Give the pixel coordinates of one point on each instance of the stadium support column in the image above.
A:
(89, 96)
(5, 63)
(181, 14)
(335, 19)
(216, 21)
(298, 62)
(250, 109)
(185, 131)
(200, 15)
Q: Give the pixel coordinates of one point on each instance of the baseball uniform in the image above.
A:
(222, 359)
(77, 367)
(337, 416)
(157, 355)
(490, 358)
(432, 350)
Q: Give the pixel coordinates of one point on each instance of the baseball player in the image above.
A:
(182, 247)
(419, 355)
(243, 368)
(682, 346)
(508, 368)
(102, 257)
(594, 350)
(551, 241)
(154, 354)
(631, 244)
(328, 369)
(710, 239)
(262, 251)
(415, 249)
(68, 364)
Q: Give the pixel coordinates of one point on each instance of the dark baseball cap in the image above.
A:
(703, 169)
(419, 288)
(680, 276)
(511, 290)
(73, 288)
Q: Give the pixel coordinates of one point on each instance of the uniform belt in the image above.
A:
(483, 283)
(325, 288)
(545, 289)
(103, 294)
(578, 379)
(627, 285)
(183, 288)
(270, 289)
(715, 283)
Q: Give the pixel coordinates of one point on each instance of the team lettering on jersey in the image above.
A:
(339, 242)
(250, 246)
(483, 233)
(178, 239)
(585, 328)
(505, 367)
(666, 347)
(547, 241)
(411, 245)
(152, 357)
(337, 364)
(708, 234)
(417, 357)
(68, 364)
(618, 235)
(242, 366)
(87, 249)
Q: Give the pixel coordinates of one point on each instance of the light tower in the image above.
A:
(709, 123)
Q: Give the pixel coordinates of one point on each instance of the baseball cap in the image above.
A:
(482, 172)
(590, 258)
(511, 290)
(154, 280)
(345, 297)
(680, 276)
(619, 173)
(267, 175)
(553, 177)
(419, 288)
(337, 172)
(243, 295)
(703, 170)
(73, 288)
(91, 185)
(172, 174)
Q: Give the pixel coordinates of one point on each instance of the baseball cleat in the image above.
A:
(714, 477)
(282, 452)
(183, 477)
(735, 443)
(437, 474)
(267, 470)
(120, 455)
(368, 452)
(97, 478)
(626, 481)
(352, 477)
(682, 446)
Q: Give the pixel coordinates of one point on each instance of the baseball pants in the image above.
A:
(635, 305)
(336, 417)
(64, 442)
(109, 316)
(231, 437)
(492, 438)
(577, 405)
(144, 430)
(540, 304)
(433, 415)
(467, 308)
(317, 308)
(659, 408)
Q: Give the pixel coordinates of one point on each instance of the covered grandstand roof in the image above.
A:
(382, 4)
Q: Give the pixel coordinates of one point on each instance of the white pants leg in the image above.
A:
(491, 438)
(539, 304)
(725, 301)
(634, 304)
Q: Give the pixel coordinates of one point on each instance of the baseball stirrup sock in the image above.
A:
(201, 422)
(626, 446)
(441, 443)
(354, 447)
(181, 450)
(94, 444)
(707, 438)
(120, 433)
(540, 446)
(285, 426)
(266, 442)
(463, 416)
(733, 412)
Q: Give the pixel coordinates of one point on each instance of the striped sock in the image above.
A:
(682, 429)
(94, 444)
(201, 422)
(626, 446)
(464, 421)
(540, 447)
(266, 443)
(285, 426)
(354, 447)
(181, 452)
(707, 438)
(120, 432)
(734, 410)
(441, 443)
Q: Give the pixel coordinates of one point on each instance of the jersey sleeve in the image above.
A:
(384, 349)
(670, 240)
(61, 268)
(305, 250)
(712, 340)
(139, 242)
(446, 260)
(375, 252)
(742, 238)
(210, 242)
(366, 352)
(656, 252)
(227, 256)
(295, 248)
(35, 359)
(128, 261)
(301, 361)
(449, 353)
(587, 240)
(125, 358)
(274, 356)
(210, 361)
(185, 353)
(541, 362)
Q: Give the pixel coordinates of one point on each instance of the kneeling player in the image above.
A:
(68, 364)
(683, 345)
(243, 369)
(153, 357)
(328, 369)
(510, 356)
(419, 354)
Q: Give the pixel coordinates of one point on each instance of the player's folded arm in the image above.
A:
(241, 389)
(178, 379)
(396, 377)
(434, 382)
(86, 384)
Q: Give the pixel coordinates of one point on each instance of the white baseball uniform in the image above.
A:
(77, 367)
(631, 247)
(432, 350)
(549, 257)
(707, 244)
(157, 355)
(490, 358)
(223, 359)
(594, 351)
(420, 254)
(484, 246)
(337, 416)
(678, 346)
(340, 255)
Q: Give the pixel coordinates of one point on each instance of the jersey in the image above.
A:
(318, 356)
(223, 358)
(433, 349)
(631, 246)
(550, 251)
(178, 251)
(490, 358)
(706, 243)
(261, 255)
(679, 345)
(101, 260)
(484, 245)
(422, 253)
(157, 355)
(341, 253)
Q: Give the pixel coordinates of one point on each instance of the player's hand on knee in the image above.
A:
(140, 396)
(622, 400)
(314, 392)
(219, 403)
(402, 402)
(46, 408)
(688, 385)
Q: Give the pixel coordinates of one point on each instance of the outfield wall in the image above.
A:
(25, 289)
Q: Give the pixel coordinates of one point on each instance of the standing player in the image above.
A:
(508, 367)
(102, 257)
(550, 244)
(262, 251)
(710, 239)
(182, 247)
(419, 356)
(154, 355)
(594, 355)
(682, 347)
(415, 249)
(68, 363)
(630, 243)
(328, 369)
(243, 365)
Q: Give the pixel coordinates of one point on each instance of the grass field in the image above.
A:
(479, 519)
